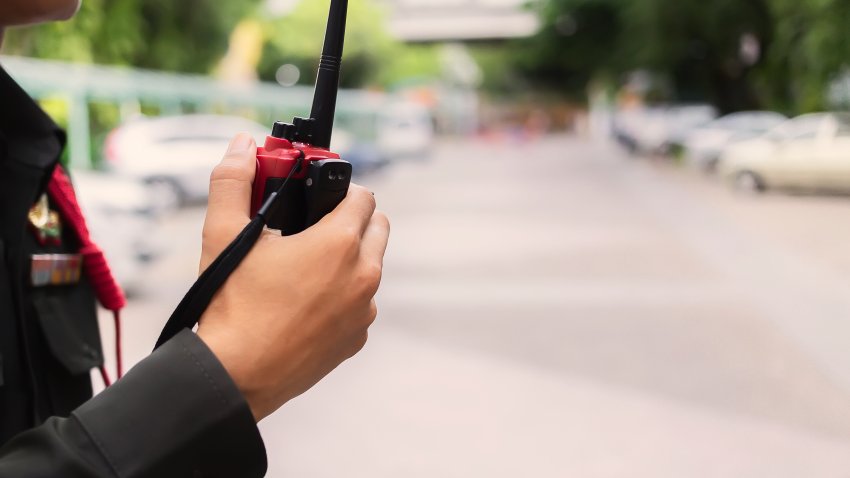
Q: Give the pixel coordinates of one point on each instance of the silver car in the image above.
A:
(704, 145)
(175, 155)
(810, 152)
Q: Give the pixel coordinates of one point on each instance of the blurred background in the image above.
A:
(621, 229)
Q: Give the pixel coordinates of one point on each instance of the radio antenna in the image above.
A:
(327, 81)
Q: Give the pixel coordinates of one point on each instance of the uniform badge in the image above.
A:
(45, 223)
(56, 269)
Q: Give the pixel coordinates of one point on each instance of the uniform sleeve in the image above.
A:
(176, 414)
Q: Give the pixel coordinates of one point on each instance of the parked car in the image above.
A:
(680, 122)
(704, 145)
(364, 156)
(121, 216)
(657, 130)
(174, 155)
(405, 130)
(624, 128)
(810, 152)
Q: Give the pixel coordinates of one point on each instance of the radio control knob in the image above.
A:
(283, 130)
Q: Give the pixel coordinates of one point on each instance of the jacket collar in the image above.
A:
(27, 134)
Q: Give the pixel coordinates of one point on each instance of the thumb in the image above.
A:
(231, 183)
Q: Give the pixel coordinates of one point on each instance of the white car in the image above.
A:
(121, 216)
(680, 122)
(176, 154)
(704, 145)
(656, 130)
(808, 152)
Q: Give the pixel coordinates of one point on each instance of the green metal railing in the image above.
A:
(82, 85)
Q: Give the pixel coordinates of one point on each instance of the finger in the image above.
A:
(356, 210)
(230, 194)
(232, 180)
(375, 239)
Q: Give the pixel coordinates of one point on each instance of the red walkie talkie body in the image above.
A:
(313, 190)
(321, 179)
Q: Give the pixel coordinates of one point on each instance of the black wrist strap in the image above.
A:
(199, 297)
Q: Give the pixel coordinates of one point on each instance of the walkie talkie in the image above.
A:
(321, 179)
(299, 180)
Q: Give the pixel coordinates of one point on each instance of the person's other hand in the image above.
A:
(298, 306)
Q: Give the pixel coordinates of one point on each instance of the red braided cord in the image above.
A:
(106, 288)
(119, 363)
(105, 376)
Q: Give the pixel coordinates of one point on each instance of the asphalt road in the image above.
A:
(559, 310)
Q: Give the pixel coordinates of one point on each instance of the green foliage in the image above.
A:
(697, 45)
(191, 36)
(812, 46)
(408, 64)
(500, 75)
(184, 36)
(579, 38)
(372, 57)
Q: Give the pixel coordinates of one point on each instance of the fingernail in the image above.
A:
(241, 143)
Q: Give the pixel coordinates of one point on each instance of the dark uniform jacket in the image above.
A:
(176, 414)
(49, 338)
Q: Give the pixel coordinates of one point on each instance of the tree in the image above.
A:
(183, 36)
(697, 44)
(737, 54)
(579, 39)
(811, 48)
(709, 49)
(372, 56)
(191, 36)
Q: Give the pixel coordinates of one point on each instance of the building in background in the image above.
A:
(455, 23)
(461, 20)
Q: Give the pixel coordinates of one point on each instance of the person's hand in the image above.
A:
(298, 306)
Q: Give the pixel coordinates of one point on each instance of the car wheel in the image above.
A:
(166, 194)
(748, 182)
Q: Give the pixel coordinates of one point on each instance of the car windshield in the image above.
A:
(201, 129)
(804, 127)
(761, 123)
(690, 116)
(198, 138)
(748, 122)
(780, 132)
